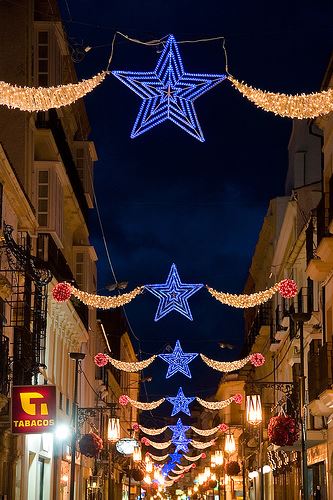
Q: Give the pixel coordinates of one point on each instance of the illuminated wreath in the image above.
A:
(282, 430)
(90, 445)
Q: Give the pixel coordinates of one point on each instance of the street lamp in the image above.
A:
(219, 457)
(113, 429)
(230, 444)
(254, 417)
(253, 409)
(137, 455)
(78, 357)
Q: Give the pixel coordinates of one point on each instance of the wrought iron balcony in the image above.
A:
(320, 372)
(4, 365)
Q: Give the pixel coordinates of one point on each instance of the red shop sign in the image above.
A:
(33, 409)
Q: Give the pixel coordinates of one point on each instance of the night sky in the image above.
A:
(165, 197)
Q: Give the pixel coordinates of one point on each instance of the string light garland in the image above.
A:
(200, 445)
(174, 295)
(104, 302)
(218, 405)
(179, 429)
(124, 400)
(179, 360)
(245, 301)
(136, 366)
(156, 458)
(152, 432)
(195, 458)
(45, 98)
(206, 432)
(256, 359)
(158, 446)
(301, 106)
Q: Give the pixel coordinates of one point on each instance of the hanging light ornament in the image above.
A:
(137, 455)
(219, 457)
(253, 409)
(113, 429)
(301, 106)
(45, 98)
(230, 444)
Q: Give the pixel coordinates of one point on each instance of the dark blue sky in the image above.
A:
(165, 197)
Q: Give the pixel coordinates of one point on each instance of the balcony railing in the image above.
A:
(325, 366)
(323, 218)
(50, 253)
(262, 318)
(4, 365)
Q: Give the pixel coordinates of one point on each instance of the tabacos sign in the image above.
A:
(33, 409)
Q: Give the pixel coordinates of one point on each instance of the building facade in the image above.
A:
(46, 191)
(291, 245)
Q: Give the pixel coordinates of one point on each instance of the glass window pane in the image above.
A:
(43, 37)
(43, 191)
(43, 176)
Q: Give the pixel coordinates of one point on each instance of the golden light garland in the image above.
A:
(159, 446)
(44, 98)
(136, 366)
(146, 406)
(206, 432)
(152, 432)
(156, 458)
(225, 366)
(103, 302)
(300, 106)
(244, 301)
(200, 445)
(215, 405)
(193, 459)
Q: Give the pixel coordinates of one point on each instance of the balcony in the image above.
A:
(51, 122)
(48, 251)
(320, 263)
(4, 367)
(262, 324)
(321, 380)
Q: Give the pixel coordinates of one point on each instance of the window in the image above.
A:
(85, 155)
(60, 400)
(79, 270)
(43, 197)
(43, 58)
(85, 268)
(67, 406)
(49, 200)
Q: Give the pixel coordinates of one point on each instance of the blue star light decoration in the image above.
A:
(178, 361)
(179, 430)
(173, 295)
(168, 92)
(181, 444)
(175, 458)
(180, 403)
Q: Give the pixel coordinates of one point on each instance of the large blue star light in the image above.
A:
(181, 444)
(179, 429)
(180, 403)
(173, 295)
(175, 458)
(168, 92)
(178, 361)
